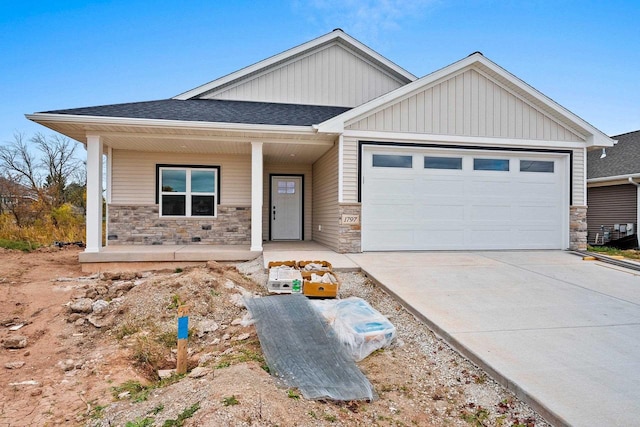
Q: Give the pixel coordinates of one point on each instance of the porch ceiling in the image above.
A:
(301, 145)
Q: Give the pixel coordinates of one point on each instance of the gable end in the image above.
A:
(468, 103)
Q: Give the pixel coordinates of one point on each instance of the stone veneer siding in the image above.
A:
(349, 236)
(142, 225)
(578, 227)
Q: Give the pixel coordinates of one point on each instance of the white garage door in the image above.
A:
(426, 199)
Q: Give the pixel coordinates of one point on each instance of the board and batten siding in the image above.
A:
(609, 205)
(276, 169)
(325, 196)
(333, 76)
(133, 180)
(468, 104)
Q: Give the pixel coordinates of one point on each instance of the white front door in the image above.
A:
(286, 208)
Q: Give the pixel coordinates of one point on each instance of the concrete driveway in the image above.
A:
(563, 333)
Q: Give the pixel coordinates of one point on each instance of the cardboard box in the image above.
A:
(324, 265)
(284, 280)
(317, 289)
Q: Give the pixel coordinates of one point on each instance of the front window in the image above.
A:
(189, 192)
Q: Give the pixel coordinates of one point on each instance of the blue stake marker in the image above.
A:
(183, 328)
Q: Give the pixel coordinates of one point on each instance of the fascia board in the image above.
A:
(179, 124)
(334, 35)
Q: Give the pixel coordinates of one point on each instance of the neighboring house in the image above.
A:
(613, 188)
(332, 142)
(12, 192)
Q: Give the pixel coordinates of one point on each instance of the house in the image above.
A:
(332, 142)
(613, 189)
(12, 193)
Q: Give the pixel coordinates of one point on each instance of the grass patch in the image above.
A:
(18, 245)
(292, 394)
(605, 250)
(97, 412)
(230, 400)
(137, 392)
(144, 422)
(187, 413)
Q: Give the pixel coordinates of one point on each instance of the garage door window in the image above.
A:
(491, 164)
(536, 166)
(392, 161)
(442, 162)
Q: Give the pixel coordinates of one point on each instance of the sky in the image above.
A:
(585, 55)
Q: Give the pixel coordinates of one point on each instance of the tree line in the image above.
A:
(42, 189)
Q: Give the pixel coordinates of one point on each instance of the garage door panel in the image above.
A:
(490, 212)
(430, 209)
(441, 212)
(440, 186)
(393, 186)
(489, 238)
(489, 186)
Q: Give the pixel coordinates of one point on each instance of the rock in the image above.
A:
(241, 337)
(79, 322)
(236, 299)
(98, 306)
(81, 305)
(14, 365)
(229, 284)
(166, 373)
(206, 326)
(138, 282)
(102, 290)
(96, 321)
(15, 341)
(16, 327)
(236, 322)
(225, 337)
(91, 293)
(27, 353)
(123, 395)
(35, 393)
(28, 382)
(73, 317)
(66, 365)
(199, 372)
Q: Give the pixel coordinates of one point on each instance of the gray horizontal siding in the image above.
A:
(616, 204)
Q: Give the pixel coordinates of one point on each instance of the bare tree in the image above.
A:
(47, 173)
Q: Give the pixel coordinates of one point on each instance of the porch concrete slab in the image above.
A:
(562, 333)
(306, 251)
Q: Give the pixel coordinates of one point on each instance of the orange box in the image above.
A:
(317, 289)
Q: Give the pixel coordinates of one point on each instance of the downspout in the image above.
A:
(637, 209)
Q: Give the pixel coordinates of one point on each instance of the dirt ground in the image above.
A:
(94, 345)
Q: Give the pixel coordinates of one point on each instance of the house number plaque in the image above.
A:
(351, 219)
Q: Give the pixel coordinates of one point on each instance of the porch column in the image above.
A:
(94, 193)
(256, 196)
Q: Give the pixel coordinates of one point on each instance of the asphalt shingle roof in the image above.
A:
(622, 159)
(214, 110)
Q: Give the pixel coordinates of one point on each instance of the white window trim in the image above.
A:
(188, 193)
